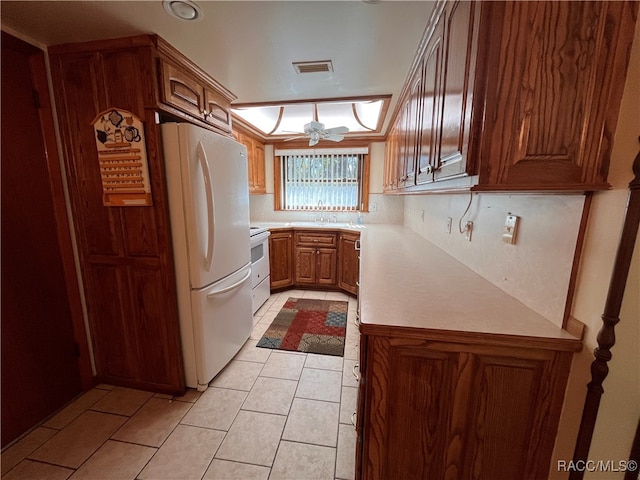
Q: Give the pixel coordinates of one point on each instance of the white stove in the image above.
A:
(260, 278)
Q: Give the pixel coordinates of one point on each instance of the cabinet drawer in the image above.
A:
(316, 239)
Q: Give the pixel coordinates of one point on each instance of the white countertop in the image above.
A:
(407, 282)
(312, 226)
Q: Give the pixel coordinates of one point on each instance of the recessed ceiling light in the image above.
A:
(183, 9)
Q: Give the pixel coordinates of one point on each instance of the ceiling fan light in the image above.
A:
(183, 9)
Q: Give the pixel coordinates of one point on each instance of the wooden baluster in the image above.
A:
(606, 336)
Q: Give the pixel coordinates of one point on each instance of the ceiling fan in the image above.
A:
(315, 132)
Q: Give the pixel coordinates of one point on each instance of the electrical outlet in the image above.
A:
(510, 229)
(468, 228)
(448, 224)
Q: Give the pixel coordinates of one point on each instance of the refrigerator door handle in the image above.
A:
(230, 287)
(211, 219)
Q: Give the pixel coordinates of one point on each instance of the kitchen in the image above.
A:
(537, 268)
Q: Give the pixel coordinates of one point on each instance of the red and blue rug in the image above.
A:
(308, 325)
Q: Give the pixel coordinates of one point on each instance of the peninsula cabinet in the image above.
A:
(512, 96)
(126, 253)
(457, 379)
(281, 259)
(430, 407)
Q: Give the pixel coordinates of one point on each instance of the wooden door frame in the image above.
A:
(57, 191)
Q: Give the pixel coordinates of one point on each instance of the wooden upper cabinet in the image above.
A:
(462, 22)
(256, 162)
(517, 96)
(186, 89)
(429, 125)
(217, 110)
(181, 90)
(555, 72)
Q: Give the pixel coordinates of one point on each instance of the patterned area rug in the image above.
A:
(308, 325)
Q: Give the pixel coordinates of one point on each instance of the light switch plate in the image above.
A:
(510, 229)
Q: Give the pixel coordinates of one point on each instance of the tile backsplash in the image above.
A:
(389, 209)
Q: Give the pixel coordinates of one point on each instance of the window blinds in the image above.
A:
(314, 181)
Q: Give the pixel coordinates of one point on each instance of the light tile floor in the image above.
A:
(268, 415)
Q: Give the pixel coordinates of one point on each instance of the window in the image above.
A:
(312, 179)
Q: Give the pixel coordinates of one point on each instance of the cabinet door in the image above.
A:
(461, 30)
(281, 259)
(446, 410)
(257, 173)
(555, 77)
(408, 401)
(413, 111)
(181, 91)
(348, 263)
(217, 110)
(390, 159)
(305, 266)
(431, 105)
(326, 266)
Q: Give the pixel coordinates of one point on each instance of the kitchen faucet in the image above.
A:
(320, 215)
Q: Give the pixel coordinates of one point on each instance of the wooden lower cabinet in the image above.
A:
(281, 259)
(349, 262)
(314, 259)
(437, 410)
(316, 266)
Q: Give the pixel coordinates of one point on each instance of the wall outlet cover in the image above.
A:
(510, 229)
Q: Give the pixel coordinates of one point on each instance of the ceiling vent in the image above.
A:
(313, 67)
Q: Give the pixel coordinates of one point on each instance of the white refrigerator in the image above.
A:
(207, 179)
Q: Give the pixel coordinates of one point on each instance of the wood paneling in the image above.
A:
(126, 253)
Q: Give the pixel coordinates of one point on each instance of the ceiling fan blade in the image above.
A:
(313, 141)
(334, 138)
(336, 130)
(294, 138)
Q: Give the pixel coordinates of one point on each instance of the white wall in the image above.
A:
(620, 405)
(536, 269)
(389, 209)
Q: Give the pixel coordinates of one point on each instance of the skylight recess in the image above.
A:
(360, 115)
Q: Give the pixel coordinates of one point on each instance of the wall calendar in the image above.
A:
(122, 156)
